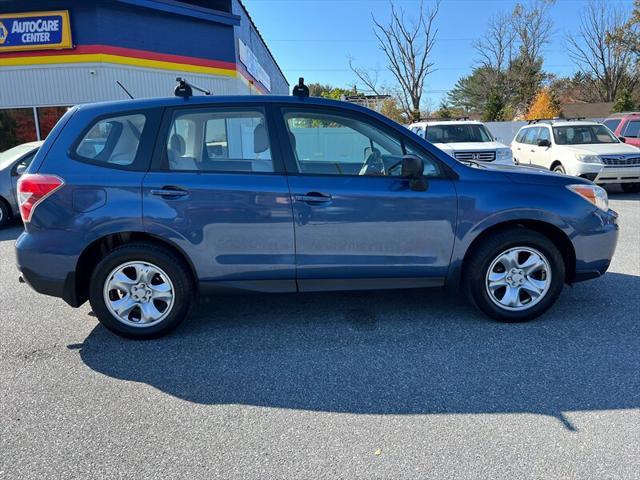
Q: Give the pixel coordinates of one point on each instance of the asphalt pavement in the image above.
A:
(389, 385)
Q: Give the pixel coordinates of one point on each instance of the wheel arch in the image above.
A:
(555, 163)
(96, 250)
(552, 232)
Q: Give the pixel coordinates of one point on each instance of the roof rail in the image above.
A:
(443, 119)
(557, 119)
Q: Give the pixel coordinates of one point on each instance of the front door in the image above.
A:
(358, 224)
(219, 194)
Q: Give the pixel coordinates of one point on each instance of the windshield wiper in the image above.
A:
(473, 162)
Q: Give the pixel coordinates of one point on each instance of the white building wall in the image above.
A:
(93, 82)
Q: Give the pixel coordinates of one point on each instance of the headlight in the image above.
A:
(588, 158)
(592, 193)
(504, 154)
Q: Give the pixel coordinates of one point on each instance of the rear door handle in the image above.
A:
(170, 192)
(313, 198)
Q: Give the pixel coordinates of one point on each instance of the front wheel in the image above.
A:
(141, 291)
(559, 169)
(515, 275)
(631, 187)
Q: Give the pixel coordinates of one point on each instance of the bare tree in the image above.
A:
(408, 47)
(606, 64)
(533, 28)
(369, 77)
(495, 49)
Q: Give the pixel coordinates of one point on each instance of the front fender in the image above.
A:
(510, 204)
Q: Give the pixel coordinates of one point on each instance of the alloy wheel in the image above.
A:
(139, 294)
(518, 278)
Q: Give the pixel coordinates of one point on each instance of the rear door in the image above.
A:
(358, 224)
(520, 148)
(218, 190)
(539, 156)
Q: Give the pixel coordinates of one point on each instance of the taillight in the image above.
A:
(33, 189)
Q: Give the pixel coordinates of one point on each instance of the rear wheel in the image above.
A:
(631, 187)
(515, 275)
(141, 291)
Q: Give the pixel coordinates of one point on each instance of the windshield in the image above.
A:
(458, 133)
(583, 134)
(9, 156)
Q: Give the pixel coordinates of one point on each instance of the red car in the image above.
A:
(625, 125)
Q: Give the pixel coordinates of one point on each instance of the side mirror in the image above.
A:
(622, 139)
(544, 143)
(21, 169)
(412, 169)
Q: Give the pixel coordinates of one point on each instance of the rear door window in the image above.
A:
(231, 140)
(531, 135)
(113, 141)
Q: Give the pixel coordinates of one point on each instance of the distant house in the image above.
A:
(587, 110)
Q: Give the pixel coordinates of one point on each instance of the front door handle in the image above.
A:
(170, 192)
(313, 198)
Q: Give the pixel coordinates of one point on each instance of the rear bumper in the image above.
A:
(595, 245)
(47, 273)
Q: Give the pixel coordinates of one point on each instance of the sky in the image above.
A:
(314, 38)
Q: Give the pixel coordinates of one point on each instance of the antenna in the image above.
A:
(301, 90)
(185, 89)
(125, 90)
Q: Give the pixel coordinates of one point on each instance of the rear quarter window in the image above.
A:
(612, 124)
(521, 135)
(112, 141)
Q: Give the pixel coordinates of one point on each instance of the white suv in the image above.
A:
(584, 149)
(464, 140)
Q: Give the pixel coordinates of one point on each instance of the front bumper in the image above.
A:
(618, 175)
(595, 245)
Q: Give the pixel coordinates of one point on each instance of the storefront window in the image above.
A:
(17, 126)
(48, 117)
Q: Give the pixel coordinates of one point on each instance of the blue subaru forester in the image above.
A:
(138, 206)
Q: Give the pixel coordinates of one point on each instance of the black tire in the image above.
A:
(477, 267)
(630, 187)
(174, 267)
(5, 213)
(559, 169)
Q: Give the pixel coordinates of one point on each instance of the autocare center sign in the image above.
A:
(35, 31)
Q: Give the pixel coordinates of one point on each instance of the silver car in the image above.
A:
(13, 163)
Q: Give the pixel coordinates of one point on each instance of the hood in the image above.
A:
(532, 175)
(603, 149)
(470, 146)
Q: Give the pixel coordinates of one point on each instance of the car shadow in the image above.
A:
(394, 352)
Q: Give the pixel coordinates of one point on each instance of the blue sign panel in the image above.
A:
(35, 31)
